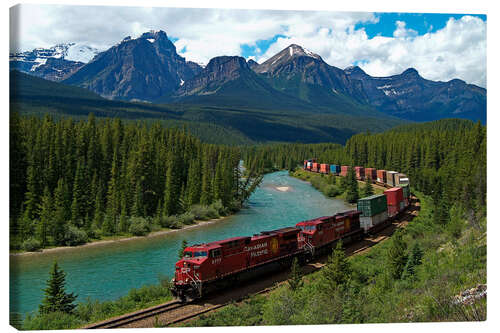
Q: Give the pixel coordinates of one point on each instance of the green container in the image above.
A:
(372, 205)
(406, 190)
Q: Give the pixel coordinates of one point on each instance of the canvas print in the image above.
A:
(226, 167)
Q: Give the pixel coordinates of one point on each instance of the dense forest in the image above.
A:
(445, 159)
(74, 181)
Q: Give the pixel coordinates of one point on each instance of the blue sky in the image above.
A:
(421, 23)
(439, 46)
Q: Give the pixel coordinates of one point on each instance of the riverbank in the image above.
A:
(117, 239)
(330, 185)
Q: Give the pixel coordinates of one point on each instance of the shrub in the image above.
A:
(75, 236)
(199, 212)
(168, 221)
(31, 244)
(51, 321)
(139, 226)
(331, 190)
(186, 218)
(219, 208)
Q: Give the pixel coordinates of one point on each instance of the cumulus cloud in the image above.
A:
(456, 51)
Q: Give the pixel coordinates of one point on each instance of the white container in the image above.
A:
(368, 222)
(391, 178)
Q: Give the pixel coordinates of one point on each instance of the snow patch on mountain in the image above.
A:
(38, 62)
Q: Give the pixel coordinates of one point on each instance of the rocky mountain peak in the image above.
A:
(298, 51)
(355, 71)
(293, 52)
(410, 72)
(252, 63)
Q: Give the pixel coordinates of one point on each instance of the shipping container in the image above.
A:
(398, 177)
(344, 169)
(406, 190)
(324, 168)
(368, 222)
(394, 196)
(315, 167)
(391, 179)
(392, 210)
(381, 176)
(334, 169)
(372, 205)
(371, 174)
(360, 172)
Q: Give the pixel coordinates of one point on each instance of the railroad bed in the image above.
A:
(175, 312)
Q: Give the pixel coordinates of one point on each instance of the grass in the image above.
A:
(92, 311)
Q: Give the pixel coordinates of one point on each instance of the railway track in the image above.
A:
(175, 312)
(138, 315)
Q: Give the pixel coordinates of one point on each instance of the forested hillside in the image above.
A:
(72, 181)
(445, 159)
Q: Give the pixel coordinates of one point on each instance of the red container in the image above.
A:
(324, 168)
(305, 164)
(360, 172)
(344, 169)
(315, 167)
(381, 176)
(392, 210)
(395, 198)
(371, 173)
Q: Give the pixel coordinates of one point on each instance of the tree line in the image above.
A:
(71, 181)
(445, 159)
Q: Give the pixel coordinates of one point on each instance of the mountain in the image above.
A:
(217, 124)
(409, 96)
(229, 81)
(294, 70)
(55, 63)
(143, 68)
(252, 63)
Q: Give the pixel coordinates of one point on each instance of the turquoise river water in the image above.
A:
(110, 270)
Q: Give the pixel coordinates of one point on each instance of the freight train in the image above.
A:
(205, 268)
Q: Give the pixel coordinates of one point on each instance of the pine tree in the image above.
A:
(183, 247)
(397, 255)
(42, 230)
(337, 271)
(352, 188)
(56, 299)
(295, 280)
(60, 217)
(368, 189)
(414, 260)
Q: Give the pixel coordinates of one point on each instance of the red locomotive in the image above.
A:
(210, 266)
(216, 265)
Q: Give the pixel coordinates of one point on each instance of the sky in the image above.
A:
(439, 46)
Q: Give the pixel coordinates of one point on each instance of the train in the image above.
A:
(208, 267)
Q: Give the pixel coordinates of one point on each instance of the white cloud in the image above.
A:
(456, 51)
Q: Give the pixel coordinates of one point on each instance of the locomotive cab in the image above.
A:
(192, 269)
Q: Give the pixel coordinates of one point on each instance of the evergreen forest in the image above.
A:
(74, 181)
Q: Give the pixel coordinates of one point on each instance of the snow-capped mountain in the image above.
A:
(55, 63)
(143, 68)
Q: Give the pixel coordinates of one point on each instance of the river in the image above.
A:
(108, 271)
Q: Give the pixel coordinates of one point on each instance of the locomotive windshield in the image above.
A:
(307, 227)
(195, 254)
